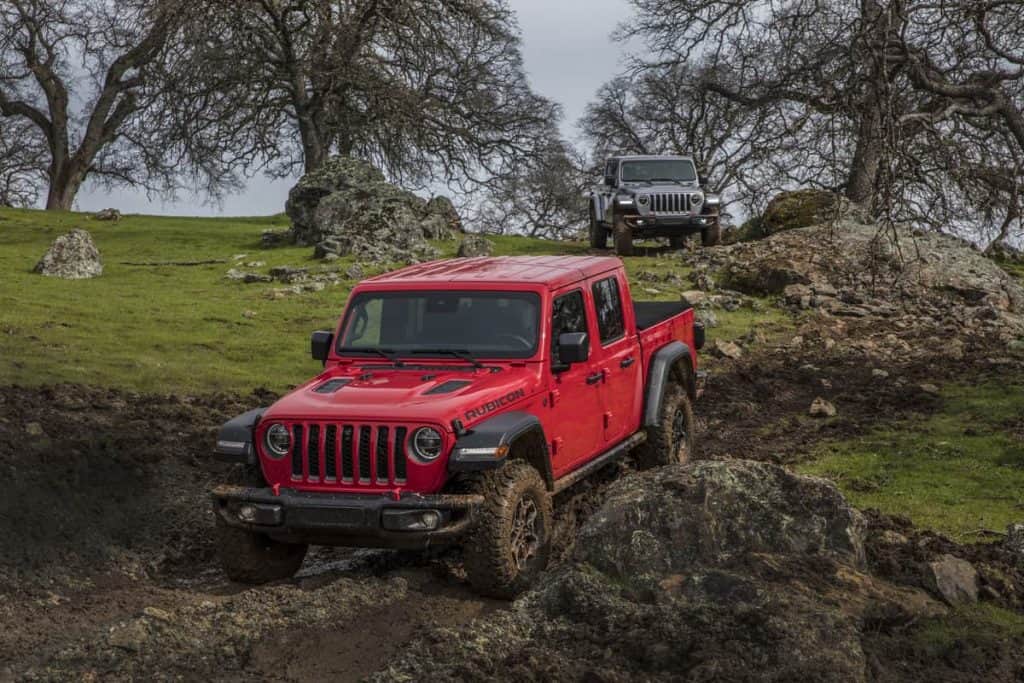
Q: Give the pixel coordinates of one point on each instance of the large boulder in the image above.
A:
(347, 207)
(72, 256)
(729, 570)
(475, 245)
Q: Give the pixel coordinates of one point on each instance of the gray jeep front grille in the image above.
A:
(670, 202)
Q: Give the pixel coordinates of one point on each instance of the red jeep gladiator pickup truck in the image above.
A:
(457, 398)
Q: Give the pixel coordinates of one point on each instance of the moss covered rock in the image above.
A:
(799, 209)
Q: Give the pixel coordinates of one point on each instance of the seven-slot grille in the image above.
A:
(348, 453)
(670, 202)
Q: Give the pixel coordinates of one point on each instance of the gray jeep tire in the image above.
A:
(252, 558)
(711, 235)
(598, 233)
(623, 236)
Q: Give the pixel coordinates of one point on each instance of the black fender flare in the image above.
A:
(235, 438)
(486, 446)
(673, 357)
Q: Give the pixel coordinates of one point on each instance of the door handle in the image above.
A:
(626, 362)
(595, 378)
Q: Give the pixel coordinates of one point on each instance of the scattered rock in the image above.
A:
(475, 245)
(243, 276)
(249, 314)
(1014, 541)
(276, 238)
(131, 636)
(878, 373)
(355, 272)
(107, 215)
(709, 319)
(930, 389)
(953, 579)
(289, 275)
(34, 429)
(694, 297)
(72, 256)
(726, 349)
(821, 408)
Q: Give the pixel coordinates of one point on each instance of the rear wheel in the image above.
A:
(672, 441)
(510, 543)
(623, 235)
(598, 233)
(711, 235)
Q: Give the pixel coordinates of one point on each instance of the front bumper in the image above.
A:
(669, 225)
(364, 520)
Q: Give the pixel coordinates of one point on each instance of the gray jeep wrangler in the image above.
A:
(651, 196)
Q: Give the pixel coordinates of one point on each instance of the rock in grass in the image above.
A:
(952, 579)
(107, 215)
(73, 256)
(1014, 541)
(821, 408)
(475, 245)
(727, 349)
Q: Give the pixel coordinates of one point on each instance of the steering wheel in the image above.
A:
(521, 341)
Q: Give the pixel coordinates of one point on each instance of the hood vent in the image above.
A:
(447, 387)
(331, 385)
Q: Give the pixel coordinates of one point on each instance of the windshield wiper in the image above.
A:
(458, 353)
(388, 354)
(668, 180)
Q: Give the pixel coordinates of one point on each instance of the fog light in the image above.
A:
(411, 520)
(247, 513)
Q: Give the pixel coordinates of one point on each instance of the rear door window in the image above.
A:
(608, 302)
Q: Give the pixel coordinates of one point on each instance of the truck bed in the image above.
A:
(650, 313)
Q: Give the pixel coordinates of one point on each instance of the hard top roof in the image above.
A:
(651, 157)
(553, 271)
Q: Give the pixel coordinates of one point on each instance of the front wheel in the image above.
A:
(510, 543)
(252, 558)
(671, 442)
(677, 242)
(598, 234)
(711, 235)
(623, 235)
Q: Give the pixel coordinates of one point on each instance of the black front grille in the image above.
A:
(361, 454)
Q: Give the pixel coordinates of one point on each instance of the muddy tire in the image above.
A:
(711, 235)
(252, 558)
(598, 233)
(510, 542)
(672, 441)
(623, 236)
(678, 242)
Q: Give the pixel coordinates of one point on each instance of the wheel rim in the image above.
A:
(525, 539)
(679, 433)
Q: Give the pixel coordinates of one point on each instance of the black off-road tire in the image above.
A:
(678, 242)
(623, 236)
(598, 233)
(252, 558)
(711, 235)
(492, 564)
(672, 441)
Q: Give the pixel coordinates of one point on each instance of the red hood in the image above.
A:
(424, 392)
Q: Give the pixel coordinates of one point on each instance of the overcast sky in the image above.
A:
(568, 54)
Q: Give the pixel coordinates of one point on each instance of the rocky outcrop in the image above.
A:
(346, 207)
(728, 570)
(72, 256)
(107, 215)
(475, 245)
(877, 290)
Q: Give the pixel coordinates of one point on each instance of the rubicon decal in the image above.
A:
(491, 406)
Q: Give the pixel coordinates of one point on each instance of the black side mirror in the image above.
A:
(573, 347)
(609, 180)
(320, 345)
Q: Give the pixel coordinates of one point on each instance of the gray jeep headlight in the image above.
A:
(697, 199)
(643, 200)
(278, 440)
(427, 443)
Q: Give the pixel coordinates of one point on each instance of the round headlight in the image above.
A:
(278, 440)
(426, 443)
(697, 199)
(643, 199)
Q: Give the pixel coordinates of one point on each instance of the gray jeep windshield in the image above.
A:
(437, 323)
(655, 170)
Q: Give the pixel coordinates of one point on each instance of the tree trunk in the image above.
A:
(867, 156)
(64, 186)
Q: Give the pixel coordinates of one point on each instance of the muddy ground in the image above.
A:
(107, 569)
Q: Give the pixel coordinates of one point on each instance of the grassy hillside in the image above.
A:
(188, 328)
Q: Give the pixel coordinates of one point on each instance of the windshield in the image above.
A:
(678, 170)
(481, 324)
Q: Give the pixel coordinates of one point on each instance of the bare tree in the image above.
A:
(540, 195)
(22, 164)
(426, 89)
(99, 82)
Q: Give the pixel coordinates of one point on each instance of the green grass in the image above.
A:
(958, 471)
(182, 329)
(983, 626)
